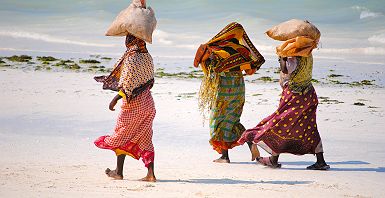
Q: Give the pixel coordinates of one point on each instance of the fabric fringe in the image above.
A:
(208, 93)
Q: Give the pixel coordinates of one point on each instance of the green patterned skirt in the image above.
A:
(225, 126)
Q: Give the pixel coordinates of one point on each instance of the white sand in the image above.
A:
(48, 121)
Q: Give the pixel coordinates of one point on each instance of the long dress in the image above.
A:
(292, 128)
(133, 76)
(223, 59)
(225, 126)
(133, 131)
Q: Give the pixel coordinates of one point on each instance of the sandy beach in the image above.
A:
(52, 110)
(49, 120)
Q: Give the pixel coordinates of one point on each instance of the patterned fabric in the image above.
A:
(222, 91)
(300, 79)
(292, 128)
(230, 50)
(133, 131)
(299, 46)
(225, 126)
(134, 70)
(138, 69)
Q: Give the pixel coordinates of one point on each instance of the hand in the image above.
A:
(114, 101)
(112, 104)
(250, 71)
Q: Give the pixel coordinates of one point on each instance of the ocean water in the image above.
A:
(353, 31)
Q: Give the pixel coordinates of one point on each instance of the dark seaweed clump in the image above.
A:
(327, 100)
(363, 82)
(22, 58)
(265, 79)
(46, 59)
(90, 61)
(334, 75)
(63, 63)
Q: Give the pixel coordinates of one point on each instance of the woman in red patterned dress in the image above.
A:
(133, 77)
(292, 128)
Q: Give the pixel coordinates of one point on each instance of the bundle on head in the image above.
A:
(137, 19)
(230, 50)
(300, 37)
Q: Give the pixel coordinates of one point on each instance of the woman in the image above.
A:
(292, 128)
(222, 91)
(133, 77)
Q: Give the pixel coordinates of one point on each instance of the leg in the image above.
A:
(320, 164)
(320, 158)
(224, 158)
(271, 161)
(254, 151)
(118, 172)
(150, 174)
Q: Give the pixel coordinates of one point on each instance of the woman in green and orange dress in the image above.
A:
(222, 91)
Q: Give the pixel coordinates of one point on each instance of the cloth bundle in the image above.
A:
(229, 53)
(300, 37)
(230, 50)
(136, 19)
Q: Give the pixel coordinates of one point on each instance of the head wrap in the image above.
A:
(134, 45)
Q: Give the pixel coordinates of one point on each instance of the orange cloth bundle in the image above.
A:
(299, 46)
(300, 37)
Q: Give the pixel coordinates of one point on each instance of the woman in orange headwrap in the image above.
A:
(292, 128)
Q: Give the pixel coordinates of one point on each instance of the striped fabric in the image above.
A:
(225, 126)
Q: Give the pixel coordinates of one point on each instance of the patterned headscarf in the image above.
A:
(134, 45)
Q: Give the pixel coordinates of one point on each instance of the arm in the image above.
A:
(114, 101)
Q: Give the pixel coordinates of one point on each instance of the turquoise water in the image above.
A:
(353, 31)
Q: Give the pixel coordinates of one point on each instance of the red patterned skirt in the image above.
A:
(133, 131)
(291, 129)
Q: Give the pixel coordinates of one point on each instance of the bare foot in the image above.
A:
(221, 160)
(113, 174)
(148, 179)
(254, 152)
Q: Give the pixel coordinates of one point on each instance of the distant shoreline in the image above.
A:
(99, 64)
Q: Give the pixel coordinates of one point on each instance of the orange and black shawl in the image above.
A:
(230, 50)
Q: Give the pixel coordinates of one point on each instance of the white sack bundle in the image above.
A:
(136, 20)
(293, 28)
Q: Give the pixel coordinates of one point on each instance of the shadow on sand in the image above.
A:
(307, 163)
(379, 169)
(231, 181)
